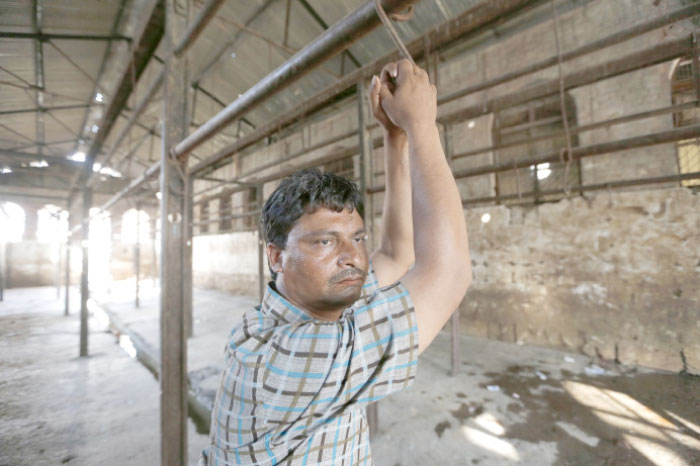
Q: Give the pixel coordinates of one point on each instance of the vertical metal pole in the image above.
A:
(187, 268)
(365, 178)
(173, 344)
(137, 255)
(2, 272)
(57, 277)
(154, 256)
(261, 244)
(84, 285)
(67, 276)
(454, 320)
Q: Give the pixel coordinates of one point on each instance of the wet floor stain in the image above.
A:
(466, 411)
(549, 402)
(441, 427)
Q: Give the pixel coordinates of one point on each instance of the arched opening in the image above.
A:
(135, 222)
(100, 247)
(52, 224)
(683, 91)
(534, 129)
(12, 222)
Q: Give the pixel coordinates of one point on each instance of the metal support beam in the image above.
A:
(143, 51)
(454, 320)
(137, 256)
(100, 72)
(365, 174)
(43, 109)
(66, 310)
(205, 15)
(39, 74)
(187, 259)
(173, 186)
(314, 14)
(41, 36)
(261, 242)
(84, 285)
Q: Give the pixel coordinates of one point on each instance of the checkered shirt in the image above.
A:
(294, 388)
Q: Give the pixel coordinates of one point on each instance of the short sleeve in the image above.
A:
(316, 370)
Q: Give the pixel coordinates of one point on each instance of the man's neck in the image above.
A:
(329, 315)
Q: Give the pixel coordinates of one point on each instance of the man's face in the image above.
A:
(324, 264)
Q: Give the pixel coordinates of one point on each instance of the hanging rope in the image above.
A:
(408, 14)
(562, 103)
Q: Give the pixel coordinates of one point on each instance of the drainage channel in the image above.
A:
(138, 348)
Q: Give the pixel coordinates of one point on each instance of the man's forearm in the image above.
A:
(397, 222)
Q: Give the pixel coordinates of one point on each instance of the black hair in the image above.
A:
(303, 192)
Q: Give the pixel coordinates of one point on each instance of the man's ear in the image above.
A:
(274, 257)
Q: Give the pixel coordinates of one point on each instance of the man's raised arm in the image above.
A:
(442, 272)
(395, 253)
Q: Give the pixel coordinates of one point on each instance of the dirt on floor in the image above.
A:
(57, 408)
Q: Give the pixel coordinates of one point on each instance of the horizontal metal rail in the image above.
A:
(586, 188)
(618, 37)
(579, 152)
(581, 129)
(332, 41)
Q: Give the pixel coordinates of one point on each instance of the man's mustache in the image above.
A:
(347, 274)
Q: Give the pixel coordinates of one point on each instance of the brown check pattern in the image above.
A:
(294, 388)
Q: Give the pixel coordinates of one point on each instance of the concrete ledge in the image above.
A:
(199, 405)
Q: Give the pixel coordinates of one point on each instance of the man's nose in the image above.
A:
(350, 254)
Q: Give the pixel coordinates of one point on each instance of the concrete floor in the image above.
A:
(507, 405)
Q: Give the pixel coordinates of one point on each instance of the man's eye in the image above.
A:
(360, 239)
(324, 242)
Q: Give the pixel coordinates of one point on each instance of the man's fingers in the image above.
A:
(405, 69)
(374, 93)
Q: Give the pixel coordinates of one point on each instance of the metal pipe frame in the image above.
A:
(468, 22)
(333, 40)
(586, 188)
(621, 36)
(42, 36)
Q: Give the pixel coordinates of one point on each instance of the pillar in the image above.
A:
(173, 172)
(84, 285)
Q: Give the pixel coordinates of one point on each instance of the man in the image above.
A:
(337, 331)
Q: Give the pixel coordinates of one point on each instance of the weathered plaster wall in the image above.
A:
(227, 262)
(591, 274)
(30, 263)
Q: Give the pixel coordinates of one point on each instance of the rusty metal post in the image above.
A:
(173, 343)
(365, 179)
(84, 284)
(454, 320)
(66, 310)
(187, 283)
(261, 244)
(137, 255)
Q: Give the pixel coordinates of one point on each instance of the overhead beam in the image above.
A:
(43, 36)
(207, 68)
(142, 53)
(42, 109)
(100, 72)
(314, 14)
(27, 156)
